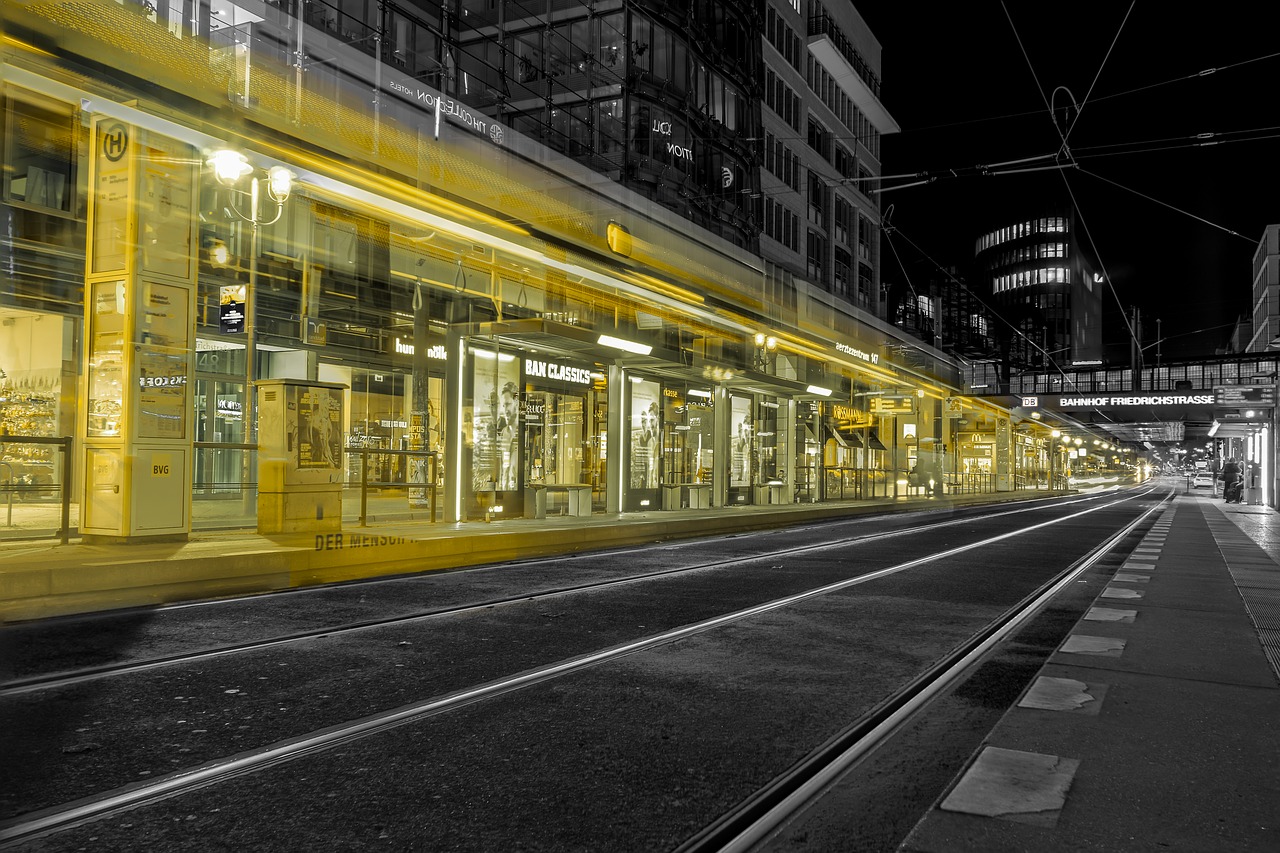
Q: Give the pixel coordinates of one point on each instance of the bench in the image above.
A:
(677, 495)
(577, 499)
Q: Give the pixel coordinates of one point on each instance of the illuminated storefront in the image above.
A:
(573, 353)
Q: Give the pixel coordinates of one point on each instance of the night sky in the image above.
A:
(956, 79)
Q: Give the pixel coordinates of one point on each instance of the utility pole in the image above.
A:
(1136, 350)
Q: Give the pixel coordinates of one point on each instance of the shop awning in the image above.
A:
(875, 442)
(844, 436)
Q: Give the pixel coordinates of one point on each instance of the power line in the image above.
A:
(1166, 204)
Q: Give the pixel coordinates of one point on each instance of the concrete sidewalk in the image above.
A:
(1156, 724)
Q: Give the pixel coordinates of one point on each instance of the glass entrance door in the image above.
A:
(219, 408)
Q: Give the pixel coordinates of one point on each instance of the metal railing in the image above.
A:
(429, 460)
(202, 485)
(63, 443)
(969, 484)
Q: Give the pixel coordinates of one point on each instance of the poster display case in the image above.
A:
(300, 471)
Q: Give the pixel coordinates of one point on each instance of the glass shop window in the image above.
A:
(41, 153)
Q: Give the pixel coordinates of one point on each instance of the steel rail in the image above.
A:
(761, 814)
(65, 678)
(68, 815)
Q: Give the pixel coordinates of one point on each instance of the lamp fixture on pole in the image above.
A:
(766, 347)
(276, 184)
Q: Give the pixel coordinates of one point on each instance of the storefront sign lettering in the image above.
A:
(457, 112)
(161, 381)
(680, 151)
(560, 372)
(1137, 400)
(338, 541)
(435, 351)
(870, 357)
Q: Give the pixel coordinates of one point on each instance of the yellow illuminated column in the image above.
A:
(139, 333)
(1004, 455)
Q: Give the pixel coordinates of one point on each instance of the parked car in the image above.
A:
(1203, 480)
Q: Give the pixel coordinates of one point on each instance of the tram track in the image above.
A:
(213, 772)
(62, 679)
(757, 817)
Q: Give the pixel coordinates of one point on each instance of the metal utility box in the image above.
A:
(300, 467)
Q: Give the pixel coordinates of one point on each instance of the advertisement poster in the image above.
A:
(319, 427)
(231, 298)
(106, 360)
(165, 211)
(496, 421)
(646, 434)
(162, 361)
(739, 441)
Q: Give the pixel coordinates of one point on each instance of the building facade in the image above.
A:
(1266, 292)
(1046, 289)
(204, 197)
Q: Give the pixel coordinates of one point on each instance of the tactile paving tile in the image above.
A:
(1008, 784)
(1084, 644)
(1110, 614)
(1067, 695)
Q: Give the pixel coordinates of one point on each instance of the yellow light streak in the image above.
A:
(25, 46)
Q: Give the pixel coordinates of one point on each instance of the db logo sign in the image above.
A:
(1030, 402)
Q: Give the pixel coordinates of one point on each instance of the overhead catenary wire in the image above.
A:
(1137, 89)
(1095, 152)
(1169, 206)
(1080, 109)
(1133, 332)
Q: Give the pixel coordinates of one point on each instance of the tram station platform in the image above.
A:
(1156, 724)
(41, 578)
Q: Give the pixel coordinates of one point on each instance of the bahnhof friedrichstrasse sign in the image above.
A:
(1123, 400)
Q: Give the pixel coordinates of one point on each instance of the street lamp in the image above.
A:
(276, 183)
(766, 346)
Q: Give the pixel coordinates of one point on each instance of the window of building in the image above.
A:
(780, 98)
(866, 284)
(846, 164)
(783, 38)
(820, 139)
(42, 142)
(611, 130)
(781, 224)
(816, 255)
(780, 286)
(866, 239)
(817, 200)
(844, 214)
(842, 273)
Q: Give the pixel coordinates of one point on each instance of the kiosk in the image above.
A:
(299, 456)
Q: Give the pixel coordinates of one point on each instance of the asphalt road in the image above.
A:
(637, 751)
